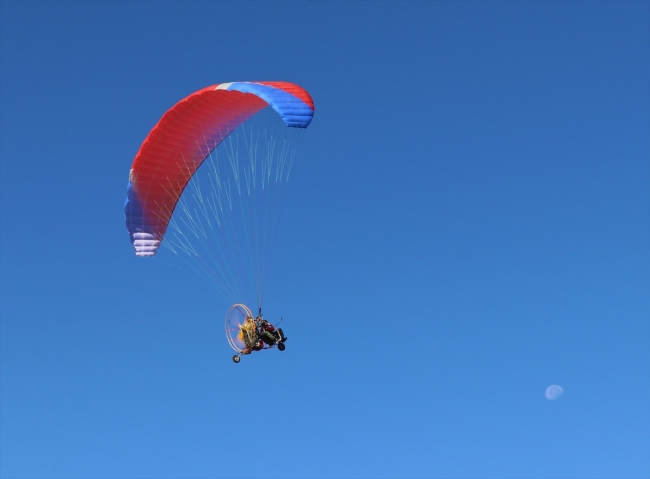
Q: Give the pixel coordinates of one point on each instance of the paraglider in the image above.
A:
(221, 218)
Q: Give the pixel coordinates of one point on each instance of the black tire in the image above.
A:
(236, 358)
(281, 346)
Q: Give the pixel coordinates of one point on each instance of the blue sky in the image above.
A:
(467, 224)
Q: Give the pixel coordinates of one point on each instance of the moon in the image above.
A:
(553, 392)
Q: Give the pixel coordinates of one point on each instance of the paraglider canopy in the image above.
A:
(183, 138)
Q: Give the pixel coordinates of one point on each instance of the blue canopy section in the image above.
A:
(295, 112)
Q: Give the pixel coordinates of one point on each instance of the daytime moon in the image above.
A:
(553, 392)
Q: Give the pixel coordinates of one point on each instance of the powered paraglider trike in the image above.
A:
(246, 334)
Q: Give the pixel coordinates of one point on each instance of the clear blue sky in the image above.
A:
(467, 224)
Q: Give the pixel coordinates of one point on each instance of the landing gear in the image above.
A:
(236, 358)
(281, 346)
